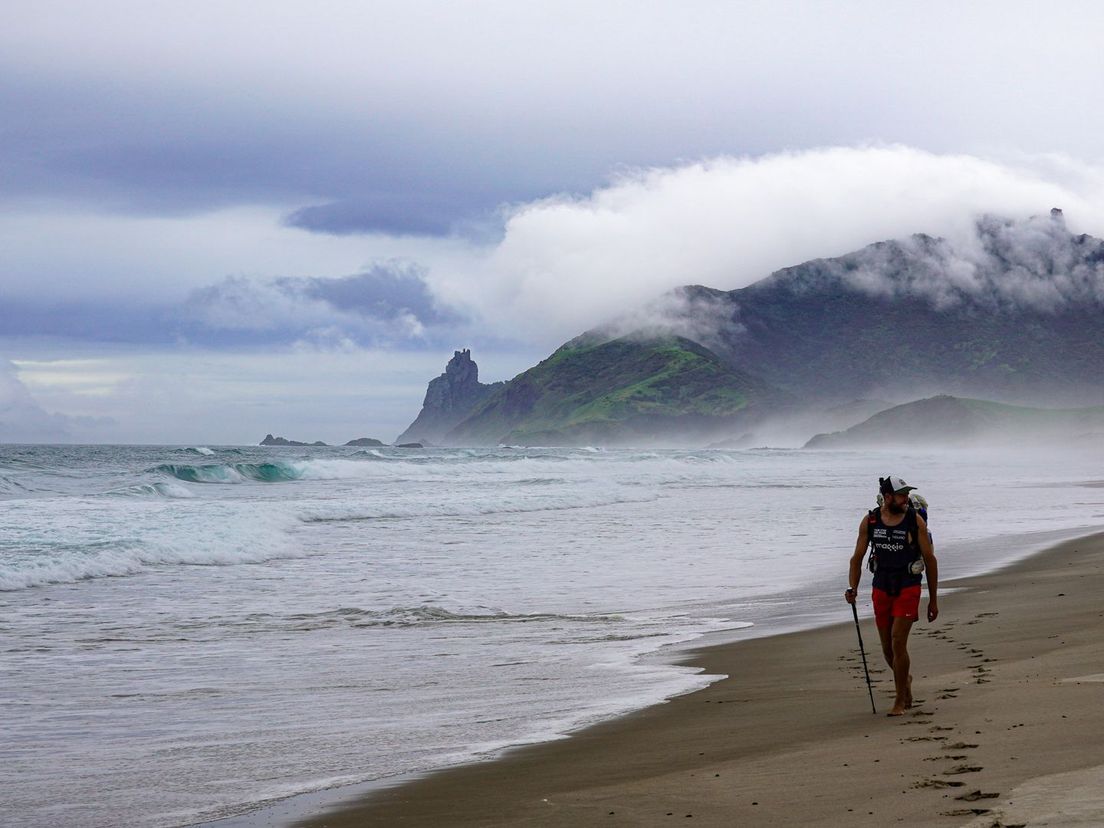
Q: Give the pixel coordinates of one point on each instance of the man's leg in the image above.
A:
(883, 619)
(885, 632)
(901, 663)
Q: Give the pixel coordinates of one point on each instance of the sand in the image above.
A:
(1008, 729)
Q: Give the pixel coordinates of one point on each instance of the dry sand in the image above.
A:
(1008, 730)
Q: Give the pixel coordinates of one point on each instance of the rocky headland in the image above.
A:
(449, 399)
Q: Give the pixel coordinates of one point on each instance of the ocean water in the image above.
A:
(188, 633)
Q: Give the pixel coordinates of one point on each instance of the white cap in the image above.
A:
(893, 484)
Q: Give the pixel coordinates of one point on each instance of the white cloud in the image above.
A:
(565, 264)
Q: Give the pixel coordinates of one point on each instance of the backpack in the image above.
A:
(920, 504)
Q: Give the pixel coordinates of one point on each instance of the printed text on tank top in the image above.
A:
(895, 548)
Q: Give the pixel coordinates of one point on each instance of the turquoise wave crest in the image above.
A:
(231, 472)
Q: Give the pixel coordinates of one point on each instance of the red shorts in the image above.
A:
(887, 607)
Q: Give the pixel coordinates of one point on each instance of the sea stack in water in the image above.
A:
(450, 398)
(370, 442)
(269, 440)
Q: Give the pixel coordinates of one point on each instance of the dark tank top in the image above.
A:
(894, 548)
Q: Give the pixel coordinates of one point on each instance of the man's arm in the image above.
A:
(854, 573)
(931, 567)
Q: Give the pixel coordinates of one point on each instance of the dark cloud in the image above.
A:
(148, 153)
(384, 292)
(405, 214)
(390, 304)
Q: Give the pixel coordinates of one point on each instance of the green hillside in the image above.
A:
(956, 421)
(614, 391)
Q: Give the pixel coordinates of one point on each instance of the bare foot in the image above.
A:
(898, 709)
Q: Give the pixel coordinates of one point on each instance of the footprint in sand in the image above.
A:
(937, 783)
(974, 796)
(961, 746)
(966, 812)
(948, 696)
(958, 769)
(937, 728)
(926, 739)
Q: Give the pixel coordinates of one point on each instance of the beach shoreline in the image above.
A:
(1006, 676)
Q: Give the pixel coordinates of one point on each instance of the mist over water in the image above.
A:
(199, 630)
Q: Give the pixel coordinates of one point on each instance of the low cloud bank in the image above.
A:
(1034, 264)
(694, 312)
(567, 263)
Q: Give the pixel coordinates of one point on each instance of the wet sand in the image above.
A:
(1008, 728)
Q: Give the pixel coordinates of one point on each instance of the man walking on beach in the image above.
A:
(901, 550)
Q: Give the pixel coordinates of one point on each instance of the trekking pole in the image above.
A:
(869, 688)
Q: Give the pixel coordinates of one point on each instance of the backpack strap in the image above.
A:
(914, 528)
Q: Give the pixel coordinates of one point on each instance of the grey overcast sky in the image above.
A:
(222, 219)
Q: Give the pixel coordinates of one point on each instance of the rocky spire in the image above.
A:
(449, 398)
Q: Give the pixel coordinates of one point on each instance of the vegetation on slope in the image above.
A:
(588, 391)
(957, 421)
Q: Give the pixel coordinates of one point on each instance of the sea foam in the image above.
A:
(92, 538)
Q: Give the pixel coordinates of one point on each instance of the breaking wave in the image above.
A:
(166, 489)
(271, 472)
(120, 559)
